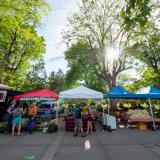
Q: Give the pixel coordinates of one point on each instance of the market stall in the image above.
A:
(109, 118)
(46, 111)
(80, 92)
(144, 93)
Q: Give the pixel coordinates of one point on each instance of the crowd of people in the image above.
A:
(14, 116)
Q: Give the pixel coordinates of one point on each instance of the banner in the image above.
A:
(36, 98)
(3, 96)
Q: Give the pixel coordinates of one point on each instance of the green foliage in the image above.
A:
(135, 13)
(36, 78)
(20, 43)
(146, 47)
(56, 81)
(125, 79)
(81, 67)
(142, 17)
(149, 78)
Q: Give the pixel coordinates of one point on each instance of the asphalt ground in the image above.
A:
(121, 144)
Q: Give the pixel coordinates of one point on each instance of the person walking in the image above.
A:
(17, 118)
(10, 116)
(78, 121)
(32, 116)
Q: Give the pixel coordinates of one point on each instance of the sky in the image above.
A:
(51, 29)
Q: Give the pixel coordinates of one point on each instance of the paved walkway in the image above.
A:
(122, 144)
(119, 145)
(18, 147)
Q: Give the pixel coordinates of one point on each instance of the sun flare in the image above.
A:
(112, 53)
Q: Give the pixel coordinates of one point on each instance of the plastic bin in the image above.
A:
(110, 121)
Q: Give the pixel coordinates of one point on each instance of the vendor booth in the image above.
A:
(143, 93)
(47, 112)
(80, 92)
(149, 92)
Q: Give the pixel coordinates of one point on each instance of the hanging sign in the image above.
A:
(3, 96)
(36, 98)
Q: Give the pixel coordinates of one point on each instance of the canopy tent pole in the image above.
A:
(151, 110)
(158, 103)
(57, 112)
(108, 106)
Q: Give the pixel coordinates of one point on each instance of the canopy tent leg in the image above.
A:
(151, 110)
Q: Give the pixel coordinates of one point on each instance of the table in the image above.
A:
(70, 124)
(142, 122)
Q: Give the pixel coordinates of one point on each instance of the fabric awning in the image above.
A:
(43, 94)
(81, 92)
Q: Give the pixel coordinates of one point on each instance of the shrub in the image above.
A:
(52, 127)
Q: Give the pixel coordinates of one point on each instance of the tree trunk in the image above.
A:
(111, 82)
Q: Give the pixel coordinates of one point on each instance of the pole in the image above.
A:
(108, 100)
(153, 120)
(57, 110)
(108, 108)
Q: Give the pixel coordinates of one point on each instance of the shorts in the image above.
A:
(78, 123)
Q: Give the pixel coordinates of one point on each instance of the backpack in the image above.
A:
(16, 112)
(78, 113)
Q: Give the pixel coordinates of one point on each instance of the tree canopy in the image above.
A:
(20, 44)
(98, 23)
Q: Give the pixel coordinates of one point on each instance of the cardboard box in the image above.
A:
(142, 126)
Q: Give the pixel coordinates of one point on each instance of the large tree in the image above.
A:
(98, 23)
(20, 43)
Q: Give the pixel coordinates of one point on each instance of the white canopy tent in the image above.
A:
(80, 92)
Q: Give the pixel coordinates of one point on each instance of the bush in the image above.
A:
(52, 127)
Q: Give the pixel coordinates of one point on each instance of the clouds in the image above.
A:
(51, 29)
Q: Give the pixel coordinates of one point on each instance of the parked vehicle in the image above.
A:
(50, 108)
(47, 109)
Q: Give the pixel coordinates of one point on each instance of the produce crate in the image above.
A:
(142, 126)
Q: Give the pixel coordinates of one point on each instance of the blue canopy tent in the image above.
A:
(143, 93)
(119, 92)
(149, 92)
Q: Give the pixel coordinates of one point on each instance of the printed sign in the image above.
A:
(3, 96)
